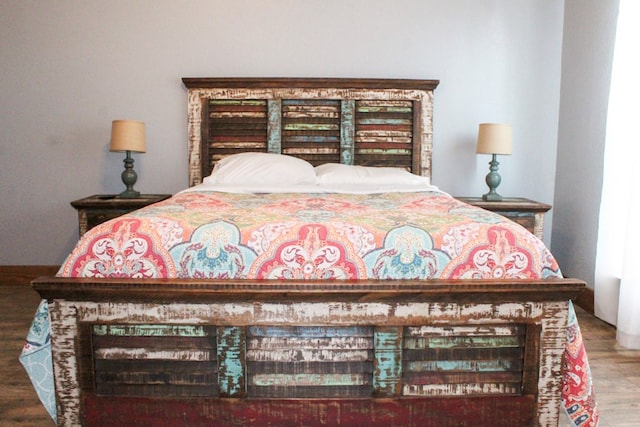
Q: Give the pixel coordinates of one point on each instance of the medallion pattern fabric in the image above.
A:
(579, 399)
(311, 236)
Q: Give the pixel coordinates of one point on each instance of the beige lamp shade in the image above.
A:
(128, 135)
(494, 138)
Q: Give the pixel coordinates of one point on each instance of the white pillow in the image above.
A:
(339, 174)
(261, 169)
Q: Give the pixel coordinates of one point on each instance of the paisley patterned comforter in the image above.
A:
(313, 236)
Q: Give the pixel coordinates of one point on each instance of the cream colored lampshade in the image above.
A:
(127, 135)
(494, 138)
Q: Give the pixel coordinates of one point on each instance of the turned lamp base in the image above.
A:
(129, 178)
(493, 180)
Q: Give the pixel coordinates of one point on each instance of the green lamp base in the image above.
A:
(129, 178)
(493, 180)
(495, 197)
(126, 194)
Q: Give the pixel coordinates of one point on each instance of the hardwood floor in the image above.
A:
(19, 404)
(616, 371)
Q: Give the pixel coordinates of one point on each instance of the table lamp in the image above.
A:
(128, 136)
(493, 139)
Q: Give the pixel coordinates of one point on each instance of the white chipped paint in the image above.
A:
(63, 333)
(307, 355)
(144, 354)
(306, 313)
(176, 313)
(308, 343)
(332, 312)
(440, 331)
(470, 312)
(269, 380)
(459, 389)
(553, 338)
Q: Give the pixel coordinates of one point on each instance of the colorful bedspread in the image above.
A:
(311, 236)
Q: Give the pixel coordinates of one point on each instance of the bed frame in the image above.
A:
(173, 352)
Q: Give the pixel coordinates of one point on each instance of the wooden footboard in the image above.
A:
(401, 353)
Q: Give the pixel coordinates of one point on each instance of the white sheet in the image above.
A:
(317, 188)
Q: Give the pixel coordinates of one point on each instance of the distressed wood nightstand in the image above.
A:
(96, 209)
(528, 213)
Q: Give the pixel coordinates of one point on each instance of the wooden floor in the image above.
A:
(616, 371)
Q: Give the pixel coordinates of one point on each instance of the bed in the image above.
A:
(314, 278)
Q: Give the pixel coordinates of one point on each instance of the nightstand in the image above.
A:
(96, 209)
(528, 213)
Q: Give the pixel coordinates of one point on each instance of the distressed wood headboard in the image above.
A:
(371, 122)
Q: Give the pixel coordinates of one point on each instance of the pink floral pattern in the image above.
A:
(311, 236)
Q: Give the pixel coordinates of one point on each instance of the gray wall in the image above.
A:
(589, 36)
(68, 68)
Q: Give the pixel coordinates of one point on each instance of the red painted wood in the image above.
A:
(433, 412)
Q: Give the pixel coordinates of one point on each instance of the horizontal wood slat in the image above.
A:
(232, 126)
(384, 133)
(309, 361)
(155, 360)
(311, 129)
(439, 361)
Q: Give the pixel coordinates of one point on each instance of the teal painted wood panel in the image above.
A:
(274, 126)
(347, 131)
(231, 361)
(387, 372)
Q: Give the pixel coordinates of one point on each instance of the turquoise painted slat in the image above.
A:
(274, 126)
(347, 131)
(231, 361)
(464, 342)
(382, 121)
(463, 365)
(387, 361)
(150, 330)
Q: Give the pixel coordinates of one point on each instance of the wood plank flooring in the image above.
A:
(19, 404)
(616, 370)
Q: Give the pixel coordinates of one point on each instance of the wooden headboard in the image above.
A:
(371, 122)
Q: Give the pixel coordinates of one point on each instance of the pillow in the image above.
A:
(261, 169)
(335, 173)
